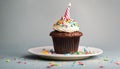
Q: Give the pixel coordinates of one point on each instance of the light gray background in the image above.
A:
(27, 23)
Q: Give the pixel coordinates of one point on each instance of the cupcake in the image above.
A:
(66, 34)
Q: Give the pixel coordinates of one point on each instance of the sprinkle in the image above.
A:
(45, 52)
(74, 24)
(19, 62)
(25, 62)
(52, 51)
(101, 66)
(43, 49)
(52, 65)
(68, 21)
(56, 64)
(77, 53)
(117, 63)
(74, 62)
(48, 66)
(85, 50)
(8, 60)
(105, 59)
(60, 21)
(80, 63)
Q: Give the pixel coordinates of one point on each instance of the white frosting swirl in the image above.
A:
(66, 25)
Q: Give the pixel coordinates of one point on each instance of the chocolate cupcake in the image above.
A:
(66, 34)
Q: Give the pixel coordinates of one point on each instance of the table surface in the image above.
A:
(20, 58)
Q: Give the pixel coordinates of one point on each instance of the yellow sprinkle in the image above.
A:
(60, 21)
(45, 52)
(68, 21)
(51, 63)
(8, 60)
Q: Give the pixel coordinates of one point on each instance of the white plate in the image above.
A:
(39, 51)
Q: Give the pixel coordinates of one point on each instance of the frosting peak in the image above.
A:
(66, 24)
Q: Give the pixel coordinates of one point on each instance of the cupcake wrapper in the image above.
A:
(65, 45)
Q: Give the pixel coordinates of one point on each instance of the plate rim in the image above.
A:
(63, 55)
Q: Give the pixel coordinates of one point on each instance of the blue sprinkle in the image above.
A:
(51, 50)
(85, 50)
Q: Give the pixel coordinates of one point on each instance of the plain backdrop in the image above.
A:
(27, 23)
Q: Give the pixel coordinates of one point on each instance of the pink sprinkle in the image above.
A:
(25, 62)
(19, 62)
(100, 66)
(81, 63)
(117, 63)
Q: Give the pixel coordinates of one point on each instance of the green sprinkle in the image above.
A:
(74, 62)
(56, 64)
(106, 60)
(78, 53)
(74, 24)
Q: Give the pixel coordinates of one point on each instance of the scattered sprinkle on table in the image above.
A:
(51, 64)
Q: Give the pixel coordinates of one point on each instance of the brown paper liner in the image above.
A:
(65, 45)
